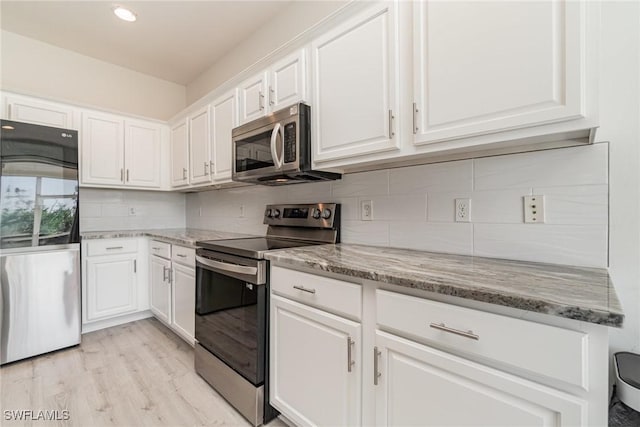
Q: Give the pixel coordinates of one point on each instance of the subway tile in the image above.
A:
(582, 165)
(110, 211)
(588, 204)
(434, 237)
(361, 184)
(349, 207)
(406, 207)
(449, 176)
(582, 245)
(90, 210)
(374, 233)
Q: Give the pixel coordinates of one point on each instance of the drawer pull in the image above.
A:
(350, 362)
(155, 248)
(114, 247)
(376, 374)
(303, 289)
(181, 255)
(466, 334)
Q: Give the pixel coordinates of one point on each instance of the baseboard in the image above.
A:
(115, 321)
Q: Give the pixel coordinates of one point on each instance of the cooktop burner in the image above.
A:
(252, 247)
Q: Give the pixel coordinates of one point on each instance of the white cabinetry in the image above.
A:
(113, 285)
(315, 361)
(183, 298)
(355, 84)
(282, 84)
(483, 68)
(39, 112)
(120, 152)
(200, 146)
(160, 285)
(180, 154)
(224, 117)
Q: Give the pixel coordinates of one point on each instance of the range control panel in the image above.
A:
(314, 215)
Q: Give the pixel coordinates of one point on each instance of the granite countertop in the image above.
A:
(179, 236)
(579, 293)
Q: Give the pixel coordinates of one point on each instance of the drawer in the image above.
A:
(160, 249)
(111, 246)
(542, 349)
(336, 296)
(184, 256)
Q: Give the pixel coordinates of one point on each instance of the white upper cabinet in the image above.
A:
(120, 152)
(486, 67)
(180, 154)
(200, 146)
(102, 148)
(355, 85)
(224, 117)
(39, 112)
(282, 84)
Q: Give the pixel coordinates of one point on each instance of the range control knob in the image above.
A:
(276, 213)
(316, 213)
(326, 213)
(268, 213)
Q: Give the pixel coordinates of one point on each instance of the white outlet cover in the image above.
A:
(463, 210)
(534, 209)
(366, 210)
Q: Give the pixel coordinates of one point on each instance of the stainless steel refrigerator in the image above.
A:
(39, 240)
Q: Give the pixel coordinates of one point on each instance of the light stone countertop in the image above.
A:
(579, 293)
(179, 236)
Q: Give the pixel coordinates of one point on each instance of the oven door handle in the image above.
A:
(233, 268)
(277, 161)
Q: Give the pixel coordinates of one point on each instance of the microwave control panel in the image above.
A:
(290, 142)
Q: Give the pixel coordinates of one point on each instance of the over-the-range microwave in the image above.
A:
(276, 149)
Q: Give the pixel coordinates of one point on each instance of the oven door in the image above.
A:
(231, 308)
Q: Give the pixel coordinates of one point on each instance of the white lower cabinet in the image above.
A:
(315, 365)
(160, 287)
(419, 385)
(183, 299)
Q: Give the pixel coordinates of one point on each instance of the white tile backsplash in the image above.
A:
(414, 207)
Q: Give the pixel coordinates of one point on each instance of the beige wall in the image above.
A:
(41, 69)
(292, 21)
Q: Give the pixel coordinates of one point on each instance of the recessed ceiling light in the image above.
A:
(8, 127)
(125, 14)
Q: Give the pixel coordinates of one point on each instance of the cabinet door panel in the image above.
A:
(142, 154)
(355, 85)
(102, 143)
(199, 146)
(523, 69)
(180, 155)
(224, 117)
(159, 272)
(111, 286)
(310, 382)
(461, 392)
(184, 301)
(252, 98)
(288, 81)
(39, 112)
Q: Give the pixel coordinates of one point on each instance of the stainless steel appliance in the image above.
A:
(232, 290)
(276, 149)
(39, 240)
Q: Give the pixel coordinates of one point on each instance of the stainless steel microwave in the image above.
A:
(276, 149)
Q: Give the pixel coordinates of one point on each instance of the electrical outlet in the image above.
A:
(366, 210)
(534, 209)
(132, 211)
(463, 210)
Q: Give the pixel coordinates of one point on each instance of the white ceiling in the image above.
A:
(172, 40)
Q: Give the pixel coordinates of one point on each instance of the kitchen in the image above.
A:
(442, 140)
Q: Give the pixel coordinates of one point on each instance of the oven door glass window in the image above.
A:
(231, 322)
(254, 152)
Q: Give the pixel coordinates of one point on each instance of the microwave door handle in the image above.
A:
(277, 161)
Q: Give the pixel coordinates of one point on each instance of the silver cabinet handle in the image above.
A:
(303, 289)
(135, 265)
(206, 165)
(415, 120)
(234, 268)
(127, 175)
(391, 117)
(211, 167)
(164, 273)
(271, 96)
(184, 173)
(181, 255)
(443, 327)
(350, 362)
(155, 248)
(122, 175)
(376, 374)
(111, 248)
(261, 100)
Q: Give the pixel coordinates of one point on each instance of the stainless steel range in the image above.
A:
(232, 293)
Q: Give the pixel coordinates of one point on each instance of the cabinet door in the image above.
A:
(111, 286)
(180, 155)
(355, 86)
(184, 301)
(102, 147)
(482, 67)
(224, 117)
(142, 154)
(311, 379)
(39, 112)
(252, 98)
(288, 81)
(160, 281)
(199, 146)
(419, 385)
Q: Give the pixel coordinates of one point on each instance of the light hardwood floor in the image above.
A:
(138, 374)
